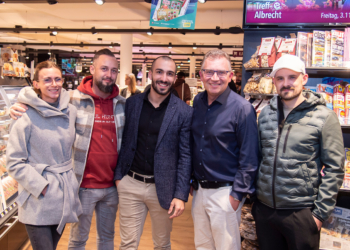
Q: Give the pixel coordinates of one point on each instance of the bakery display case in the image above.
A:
(10, 228)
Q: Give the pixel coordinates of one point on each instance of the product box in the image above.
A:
(335, 232)
(287, 47)
(302, 46)
(318, 49)
(346, 182)
(311, 88)
(309, 49)
(278, 41)
(267, 52)
(339, 106)
(334, 81)
(347, 104)
(337, 48)
(6, 54)
(326, 92)
(328, 48)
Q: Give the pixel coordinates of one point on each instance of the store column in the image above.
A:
(192, 67)
(125, 58)
(144, 74)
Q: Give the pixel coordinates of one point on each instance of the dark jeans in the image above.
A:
(285, 229)
(43, 237)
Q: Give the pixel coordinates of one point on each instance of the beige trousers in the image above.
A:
(136, 198)
(216, 224)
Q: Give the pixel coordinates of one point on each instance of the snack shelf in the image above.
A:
(342, 72)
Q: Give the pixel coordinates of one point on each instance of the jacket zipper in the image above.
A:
(274, 169)
(285, 141)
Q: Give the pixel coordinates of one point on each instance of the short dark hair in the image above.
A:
(167, 58)
(180, 74)
(101, 52)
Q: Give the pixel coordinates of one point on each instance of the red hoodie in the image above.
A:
(103, 155)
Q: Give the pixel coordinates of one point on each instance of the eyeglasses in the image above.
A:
(220, 73)
(49, 81)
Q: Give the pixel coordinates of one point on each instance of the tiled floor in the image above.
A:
(181, 237)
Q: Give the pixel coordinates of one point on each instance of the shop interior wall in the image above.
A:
(252, 39)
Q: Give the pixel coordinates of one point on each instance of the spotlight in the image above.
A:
(202, 1)
(141, 45)
(93, 31)
(217, 32)
(192, 53)
(194, 46)
(178, 66)
(49, 53)
(170, 54)
(182, 64)
(111, 46)
(52, 2)
(99, 2)
(54, 33)
(150, 33)
(170, 46)
(188, 60)
(27, 57)
(2, 2)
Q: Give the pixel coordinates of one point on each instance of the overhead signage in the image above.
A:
(180, 14)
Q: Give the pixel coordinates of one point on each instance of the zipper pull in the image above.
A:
(101, 136)
(112, 140)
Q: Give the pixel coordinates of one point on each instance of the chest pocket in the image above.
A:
(81, 122)
(300, 141)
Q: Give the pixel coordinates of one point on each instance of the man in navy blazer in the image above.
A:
(154, 165)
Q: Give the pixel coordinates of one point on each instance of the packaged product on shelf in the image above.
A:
(16, 66)
(309, 49)
(346, 58)
(346, 181)
(3, 163)
(8, 70)
(347, 104)
(262, 105)
(14, 55)
(326, 92)
(254, 61)
(335, 80)
(266, 85)
(10, 186)
(339, 102)
(318, 49)
(252, 85)
(274, 90)
(311, 88)
(335, 232)
(302, 46)
(328, 40)
(267, 52)
(337, 48)
(256, 103)
(6, 54)
(278, 41)
(287, 47)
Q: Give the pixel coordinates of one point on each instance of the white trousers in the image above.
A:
(216, 224)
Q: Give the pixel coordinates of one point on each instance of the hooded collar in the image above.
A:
(28, 96)
(86, 88)
(311, 99)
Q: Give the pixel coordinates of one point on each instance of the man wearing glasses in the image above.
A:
(225, 156)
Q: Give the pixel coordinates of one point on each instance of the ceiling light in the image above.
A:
(100, 2)
(52, 2)
(141, 45)
(2, 2)
(49, 53)
(53, 33)
(170, 46)
(202, 1)
(178, 66)
(170, 54)
(182, 63)
(188, 60)
(192, 53)
(27, 57)
(194, 46)
(150, 33)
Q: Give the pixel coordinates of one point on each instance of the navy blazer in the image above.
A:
(172, 156)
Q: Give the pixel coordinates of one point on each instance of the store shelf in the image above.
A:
(260, 96)
(8, 213)
(341, 72)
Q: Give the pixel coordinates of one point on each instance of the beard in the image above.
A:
(289, 96)
(105, 88)
(159, 92)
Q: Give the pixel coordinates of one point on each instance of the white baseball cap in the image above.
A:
(288, 62)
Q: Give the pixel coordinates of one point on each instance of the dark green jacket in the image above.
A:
(294, 152)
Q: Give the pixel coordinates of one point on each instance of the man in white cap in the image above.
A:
(298, 136)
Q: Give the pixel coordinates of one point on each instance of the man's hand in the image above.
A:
(234, 203)
(178, 206)
(17, 109)
(191, 191)
(318, 223)
(117, 182)
(44, 190)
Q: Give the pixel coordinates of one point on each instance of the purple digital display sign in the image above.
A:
(297, 11)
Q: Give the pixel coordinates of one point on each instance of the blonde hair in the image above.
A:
(132, 84)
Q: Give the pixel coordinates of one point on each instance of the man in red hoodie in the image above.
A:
(99, 128)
